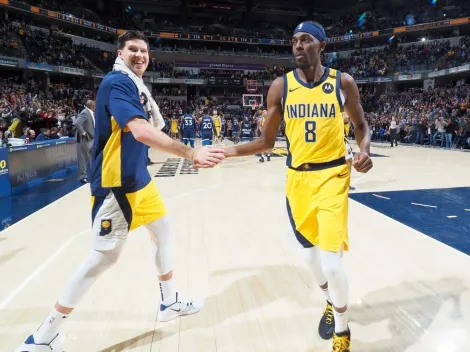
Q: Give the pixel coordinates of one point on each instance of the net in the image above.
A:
(253, 100)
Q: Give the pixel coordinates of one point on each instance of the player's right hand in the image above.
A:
(207, 157)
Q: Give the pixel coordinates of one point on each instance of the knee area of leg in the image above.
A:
(331, 267)
(108, 258)
(160, 231)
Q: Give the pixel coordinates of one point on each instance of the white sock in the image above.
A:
(341, 321)
(167, 290)
(50, 327)
(326, 293)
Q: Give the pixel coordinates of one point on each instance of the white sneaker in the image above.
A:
(31, 346)
(178, 308)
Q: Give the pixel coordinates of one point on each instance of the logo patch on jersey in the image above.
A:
(143, 99)
(328, 88)
(106, 226)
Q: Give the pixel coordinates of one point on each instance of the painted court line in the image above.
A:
(425, 205)
(451, 216)
(38, 271)
(376, 195)
(467, 209)
(49, 260)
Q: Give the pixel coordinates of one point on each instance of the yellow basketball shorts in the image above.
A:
(118, 213)
(317, 205)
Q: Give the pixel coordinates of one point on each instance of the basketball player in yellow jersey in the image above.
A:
(311, 100)
(216, 120)
(174, 128)
(349, 152)
(262, 120)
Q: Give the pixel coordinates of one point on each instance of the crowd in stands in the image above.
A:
(437, 117)
(8, 45)
(169, 91)
(54, 47)
(27, 106)
(363, 64)
(459, 55)
(383, 15)
(427, 117)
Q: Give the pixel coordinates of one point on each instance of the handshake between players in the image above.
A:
(209, 157)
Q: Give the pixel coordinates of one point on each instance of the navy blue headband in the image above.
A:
(310, 28)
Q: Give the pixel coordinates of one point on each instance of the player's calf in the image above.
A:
(172, 306)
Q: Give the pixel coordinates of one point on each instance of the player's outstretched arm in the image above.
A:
(144, 133)
(271, 125)
(353, 107)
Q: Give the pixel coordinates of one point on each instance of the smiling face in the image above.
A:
(135, 55)
(306, 49)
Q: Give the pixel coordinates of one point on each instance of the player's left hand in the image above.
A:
(207, 157)
(362, 162)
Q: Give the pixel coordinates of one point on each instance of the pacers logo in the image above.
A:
(328, 88)
(105, 227)
(3, 167)
(143, 99)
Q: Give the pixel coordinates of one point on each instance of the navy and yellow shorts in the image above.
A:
(317, 205)
(118, 213)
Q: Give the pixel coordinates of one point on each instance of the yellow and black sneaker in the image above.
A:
(326, 328)
(342, 341)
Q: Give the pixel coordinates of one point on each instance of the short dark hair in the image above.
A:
(130, 35)
(205, 111)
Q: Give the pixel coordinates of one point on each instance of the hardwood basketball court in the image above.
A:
(233, 247)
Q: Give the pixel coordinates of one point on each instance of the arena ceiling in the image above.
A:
(293, 7)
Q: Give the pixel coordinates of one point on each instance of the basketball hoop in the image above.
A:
(252, 101)
(253, 104)
(251, 86)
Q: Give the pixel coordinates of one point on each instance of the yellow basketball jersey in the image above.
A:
(314, 119)
(174, 126)
(346, 129)
(216, 120)
(261, 122)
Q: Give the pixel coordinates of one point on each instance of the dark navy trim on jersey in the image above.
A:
(338, 90)
(289, 155)
(284, 94)
(125, 206)
(303, 241)
(97, 203)
(320, 166)
(314, 84)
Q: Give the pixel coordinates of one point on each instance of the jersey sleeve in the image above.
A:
(124, 102)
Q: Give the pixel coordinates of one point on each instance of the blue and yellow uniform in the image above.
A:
(174, 126)
(124, 195)
(346, 129)
(217, 124)
(317, 176)
(349, 151)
